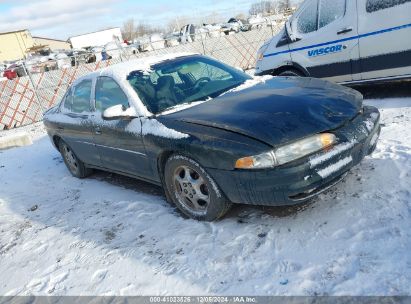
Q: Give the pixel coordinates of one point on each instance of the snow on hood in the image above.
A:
(250, 83)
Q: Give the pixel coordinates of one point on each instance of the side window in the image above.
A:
(81, 97)
(108, 94)
(376, 5)
(307, 20)
(68, 100)
(330, 10)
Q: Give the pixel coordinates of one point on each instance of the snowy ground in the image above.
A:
(115, 236)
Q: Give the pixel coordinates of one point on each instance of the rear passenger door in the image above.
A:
(119, 142)
(328, 45)
(385, 38)
(76, 127)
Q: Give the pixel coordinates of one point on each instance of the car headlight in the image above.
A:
(287, 153)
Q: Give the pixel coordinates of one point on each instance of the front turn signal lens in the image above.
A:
(245, 163)
(327, 139)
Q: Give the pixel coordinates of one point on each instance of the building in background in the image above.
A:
(99, 38)
(52, 44)
(15, 45)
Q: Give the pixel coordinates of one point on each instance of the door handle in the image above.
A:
(60, 128)
(344, 30)
(97, 131)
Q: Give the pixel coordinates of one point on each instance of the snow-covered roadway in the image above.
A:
(116, 236)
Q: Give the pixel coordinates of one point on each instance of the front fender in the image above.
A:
(210, 147)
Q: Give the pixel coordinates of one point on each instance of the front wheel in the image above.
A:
(75, 165)
(192, 190)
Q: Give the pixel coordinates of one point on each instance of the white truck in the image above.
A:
(345, 41)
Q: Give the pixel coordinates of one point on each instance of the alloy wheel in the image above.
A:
(71, 159)
(191, 189)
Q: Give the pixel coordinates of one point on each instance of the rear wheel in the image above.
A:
(192, 190)
(74, 165)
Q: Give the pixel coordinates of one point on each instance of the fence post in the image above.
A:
(43, 109)
(202, 43)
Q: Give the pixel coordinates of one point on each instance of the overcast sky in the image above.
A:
(64, 18)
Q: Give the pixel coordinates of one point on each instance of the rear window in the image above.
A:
(377, 5)
(68, 100)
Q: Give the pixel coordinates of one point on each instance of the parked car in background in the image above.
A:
(257, 21)
(347, 41)
(235, 26)
(188, 33)
(14, 70)
(210, 134)
(212, 30)
(172, 39)
(10, 74)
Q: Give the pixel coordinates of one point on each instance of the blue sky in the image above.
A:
(65, 18)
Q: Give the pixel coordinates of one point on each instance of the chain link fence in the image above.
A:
(23, 100)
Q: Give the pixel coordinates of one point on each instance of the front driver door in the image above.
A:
(328, 45)
(119, 142)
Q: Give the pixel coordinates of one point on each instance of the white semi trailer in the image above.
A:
(98, 38)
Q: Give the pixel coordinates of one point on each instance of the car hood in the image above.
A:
(279, 110)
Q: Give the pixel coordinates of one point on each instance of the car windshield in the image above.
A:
(184, 80)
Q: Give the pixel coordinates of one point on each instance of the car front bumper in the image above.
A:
(300, 180)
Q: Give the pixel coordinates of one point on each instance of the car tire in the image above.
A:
(293, 73)
(73, 163)
(192, 190)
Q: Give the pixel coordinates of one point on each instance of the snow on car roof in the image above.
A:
(144, 64)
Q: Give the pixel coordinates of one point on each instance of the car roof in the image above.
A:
(120, 71)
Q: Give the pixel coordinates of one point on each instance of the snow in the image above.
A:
(36, 131)
(335, 167)
(141, 64)
(250, 83)
(154, 127)
(317, 160)
(109, 235)
(183, 106)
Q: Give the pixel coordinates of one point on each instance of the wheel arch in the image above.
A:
(293, 66)
(56, 141)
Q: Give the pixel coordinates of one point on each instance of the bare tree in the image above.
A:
(143, 29)
(129, 30)
(269, 7)
(241, 16)
(262, 7)
(282, 5)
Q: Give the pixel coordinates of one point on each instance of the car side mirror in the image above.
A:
(291, 33)
(119, 112)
